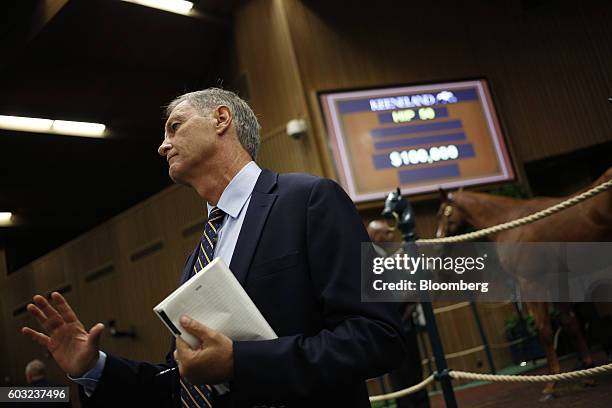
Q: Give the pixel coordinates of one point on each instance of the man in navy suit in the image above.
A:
(294, 243)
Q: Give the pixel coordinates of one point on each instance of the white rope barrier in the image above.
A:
(456, 354)
(508, 343)
(406, 391)
(521, 221)
(454, 306)
(572, 375)
(465, 375)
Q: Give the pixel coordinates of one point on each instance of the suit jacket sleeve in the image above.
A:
(358, 340)
(133, 383)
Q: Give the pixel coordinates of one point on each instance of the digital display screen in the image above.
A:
(416, 137)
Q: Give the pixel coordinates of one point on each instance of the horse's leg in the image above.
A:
(570, 323)
(539, 310)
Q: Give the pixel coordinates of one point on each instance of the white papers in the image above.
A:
(216, 299)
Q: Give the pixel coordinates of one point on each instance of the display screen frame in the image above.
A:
(339, 153)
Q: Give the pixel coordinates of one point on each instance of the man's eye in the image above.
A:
(175, 126)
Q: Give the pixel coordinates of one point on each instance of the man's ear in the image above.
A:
(223, 119)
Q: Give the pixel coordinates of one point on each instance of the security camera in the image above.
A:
(296, 128)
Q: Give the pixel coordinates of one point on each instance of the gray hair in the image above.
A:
(245, 121)
(35, 369)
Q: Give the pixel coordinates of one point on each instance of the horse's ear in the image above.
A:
(399, 193)
(443, 194)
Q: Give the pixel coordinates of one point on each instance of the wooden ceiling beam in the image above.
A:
(22, 34)
(43, 14)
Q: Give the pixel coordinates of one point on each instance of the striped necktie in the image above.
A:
(199, 396)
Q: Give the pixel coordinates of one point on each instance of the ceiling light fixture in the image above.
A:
(173, 6)
(5, 218)
(61, 127)
(25, 124)
(67, 127)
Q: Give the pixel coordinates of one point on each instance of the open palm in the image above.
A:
(74, 349)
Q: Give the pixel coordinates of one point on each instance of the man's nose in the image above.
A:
(164, 147)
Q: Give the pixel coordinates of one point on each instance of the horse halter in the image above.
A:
(442, 229)
(448, 210)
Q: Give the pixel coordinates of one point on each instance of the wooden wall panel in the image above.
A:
(459, 334)
(549, 83)
(93, 264)
(19, 290)
(49, 273)
(493, 317)
(266, 55)
(283, 154)
(185, 214)
(146, 260)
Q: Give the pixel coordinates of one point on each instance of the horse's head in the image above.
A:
(450, 219)
(394, 207)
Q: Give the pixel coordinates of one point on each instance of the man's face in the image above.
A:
(188, 141)
(379, 232)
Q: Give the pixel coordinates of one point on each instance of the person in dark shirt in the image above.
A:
(387, 243)
(36, 376)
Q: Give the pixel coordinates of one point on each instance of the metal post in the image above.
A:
(483, 337)
(430, 369)
(383, 387)
(407, 226)
(438, 350)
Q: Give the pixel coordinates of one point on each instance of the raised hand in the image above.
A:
(73, 348)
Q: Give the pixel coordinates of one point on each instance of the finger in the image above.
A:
(196, 328)
(94, 334)
(63, 307)
(38, 337)
(53, 318)
(183, 349)
(40, 317)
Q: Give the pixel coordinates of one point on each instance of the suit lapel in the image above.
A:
(252, 227)
(188, 267)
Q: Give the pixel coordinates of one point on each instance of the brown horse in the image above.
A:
(589, 221)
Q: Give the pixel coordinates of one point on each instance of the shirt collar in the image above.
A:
(238, 190)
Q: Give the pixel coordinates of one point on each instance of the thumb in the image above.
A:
(94, 334)
(194, 327)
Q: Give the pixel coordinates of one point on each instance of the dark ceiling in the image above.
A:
(102, 61)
